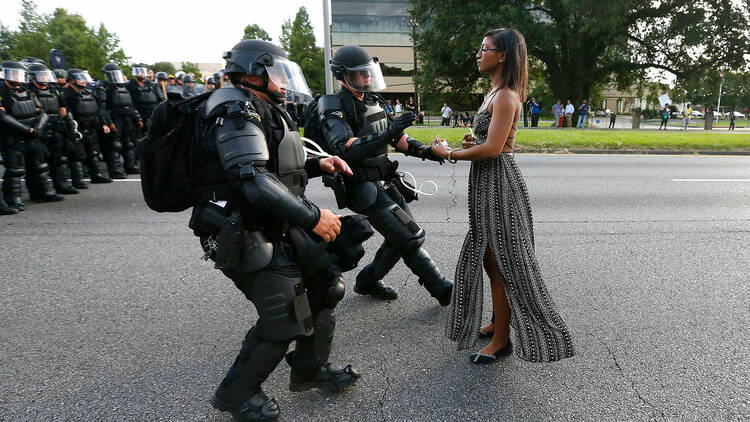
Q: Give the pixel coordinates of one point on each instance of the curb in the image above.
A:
(631, 152)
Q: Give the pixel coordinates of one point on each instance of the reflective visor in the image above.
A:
(365, 78)
(116, 76)
(288, 75)
(44, 76)
(83, 77)
(14, 75)
(139, 71)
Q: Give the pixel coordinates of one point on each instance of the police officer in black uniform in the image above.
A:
(91, 119)
(257, 149)
(162, 82)
(116, 99)
(21, 124)
(57, 135)
(356, 127)
(142, 91)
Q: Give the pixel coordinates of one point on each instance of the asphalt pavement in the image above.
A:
(108, 313)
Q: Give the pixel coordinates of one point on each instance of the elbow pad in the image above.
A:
(240, 142)
(11, 122)
(366, 147)
(269, 194)
(42, 122)
(333, 124)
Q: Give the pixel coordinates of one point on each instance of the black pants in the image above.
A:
(731, 125)
(663, 123)
(535, 120)
(265, 345)
(611, 123)
(24, 158)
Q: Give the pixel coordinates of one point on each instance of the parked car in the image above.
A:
(697, 114)
(737, 115)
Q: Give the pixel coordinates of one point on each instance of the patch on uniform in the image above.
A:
(251, 115)
(338, 114)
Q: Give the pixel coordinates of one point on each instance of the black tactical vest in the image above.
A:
(87, 109)
(50, 103)
(23, 107)
(291, 161)
(144, 98)
(374, 120)
(119, 99)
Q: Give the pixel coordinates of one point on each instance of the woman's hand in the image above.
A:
(438, 149)
(469, 141)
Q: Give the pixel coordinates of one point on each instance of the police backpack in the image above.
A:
(168, 156)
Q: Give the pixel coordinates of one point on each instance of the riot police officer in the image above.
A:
(188, 86)
(142, 91)
(356, 127)
(57, 135)
(125, 118)
(210, 84)
(61, 75)
(162, 81)
(258, 150)
(91, 119)
(21, 123)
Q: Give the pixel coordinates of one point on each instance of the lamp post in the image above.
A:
(327, 45)
(414, 26)
(721, 86)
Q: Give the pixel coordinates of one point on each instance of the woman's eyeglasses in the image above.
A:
(481, 51)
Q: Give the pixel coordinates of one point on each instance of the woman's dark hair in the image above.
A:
(515, 70)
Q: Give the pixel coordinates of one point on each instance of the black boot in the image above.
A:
(114, 166)
(96, 174)
(61, 180)
(5, 209)
(328, 378)
(40, 187)
(12, 190)
(429, 275)
(256, 408)
(239, 391)
(131, 162)
(369, 280)
(76, 174)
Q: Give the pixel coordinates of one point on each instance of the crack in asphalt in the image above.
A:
(408, 276)
(184, 276)
(632, 383)
(385, 389)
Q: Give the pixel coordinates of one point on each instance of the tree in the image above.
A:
(583, 44)
(166, 67)
(82, 46)
(189, 67)
(254, 31)
(298, 39)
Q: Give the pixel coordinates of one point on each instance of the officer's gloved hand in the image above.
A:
(427, 154)
(400, 123)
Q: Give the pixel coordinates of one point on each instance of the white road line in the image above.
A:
(127, 180)
(711, 180)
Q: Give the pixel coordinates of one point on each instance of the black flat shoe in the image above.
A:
(257, 408)
(329, 378)
(480, 358)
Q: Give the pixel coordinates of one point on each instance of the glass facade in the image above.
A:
(370, 23)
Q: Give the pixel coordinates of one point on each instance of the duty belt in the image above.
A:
(382, 170)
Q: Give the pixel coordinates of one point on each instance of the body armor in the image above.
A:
(23, 108)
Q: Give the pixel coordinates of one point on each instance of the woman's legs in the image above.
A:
(501, 308)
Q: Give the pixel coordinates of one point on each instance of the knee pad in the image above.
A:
(335, 293)
(282, 304)
(63, 160)
(15, 171)
(413, 245)
(396, 225)
(116, 145)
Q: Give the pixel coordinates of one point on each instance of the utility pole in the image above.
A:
(327, 45)
(721, 86)
(414, 26)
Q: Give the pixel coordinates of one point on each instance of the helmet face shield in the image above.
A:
(115, 76)
(14, 75)
(366, 78)
(139, 71)
(82, 78)
(288, 75)
(44, 76)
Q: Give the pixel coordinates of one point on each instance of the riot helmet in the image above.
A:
(262, 58)
(139, 71)
(162, 76)
(187, 79)
(113, 73)
(41, 74)
(355, 67)
(14, 74)
(80, 78)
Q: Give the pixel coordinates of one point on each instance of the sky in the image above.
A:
(152, 31)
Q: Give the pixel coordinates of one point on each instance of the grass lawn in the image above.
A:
(602, 139)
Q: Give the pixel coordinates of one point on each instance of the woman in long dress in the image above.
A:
(501, 235)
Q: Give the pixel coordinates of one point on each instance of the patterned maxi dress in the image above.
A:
(500, 219)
